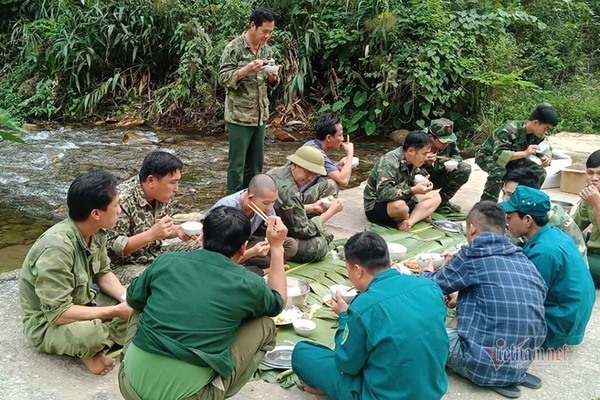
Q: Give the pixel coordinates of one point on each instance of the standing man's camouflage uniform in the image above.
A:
(448, 181)
(495, 156)
(246, 102)
(558, 217)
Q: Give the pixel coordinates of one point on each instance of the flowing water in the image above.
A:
(34, 177)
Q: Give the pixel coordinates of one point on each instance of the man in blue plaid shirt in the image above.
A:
(500, 305)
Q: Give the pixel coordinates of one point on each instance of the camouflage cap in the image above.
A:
(309, 158)
(528, 201)
(442, 129)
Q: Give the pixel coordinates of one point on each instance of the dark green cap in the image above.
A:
(528, 201)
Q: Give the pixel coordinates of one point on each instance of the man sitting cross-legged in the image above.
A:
(391, 196)
(62, 312)
(261, 191)
(571, 293)
(391, 341)
(201, 325)
(500, 305)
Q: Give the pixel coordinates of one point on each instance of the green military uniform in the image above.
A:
(137, 216)
(246, 111)
(584, 217)
(390, 179)
(495, 153)
(449, 182)
(390, 344)
(57, 273)
(312, 244)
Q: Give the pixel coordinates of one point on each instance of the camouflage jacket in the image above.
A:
(290, 208)
(246, 100)
(438, 165)
(508, 139)
(137, 216)
(584, 217)
(558, 217)
(57, 273)
(390, 179)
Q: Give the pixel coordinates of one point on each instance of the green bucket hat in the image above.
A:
(442, 128)
(309, 158)
(528, 201)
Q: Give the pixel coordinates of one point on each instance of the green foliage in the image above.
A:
(9, 127)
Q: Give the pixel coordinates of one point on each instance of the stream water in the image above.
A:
(34, 177)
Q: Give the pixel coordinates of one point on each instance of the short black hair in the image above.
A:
(489, 216)
(539, 220)
(225, 230)
(545, 114)
(593, 161)
(326, 125)
(523, 176)
(261, 15)
(417, 140)
(159, 164)
(368, 250)
(94, 190)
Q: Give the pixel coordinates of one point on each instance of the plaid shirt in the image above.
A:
(500, 308)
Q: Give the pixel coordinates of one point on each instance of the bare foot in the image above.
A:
(404, 225)
(427, 219)
(311, 389)
(286, 267)
(99, 364)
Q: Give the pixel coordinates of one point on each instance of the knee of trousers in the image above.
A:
(312, 249)
(290, 248)
(80, 339)
(462, 173)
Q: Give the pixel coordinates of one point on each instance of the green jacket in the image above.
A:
(584, 217)
(290, 208)
(390, 179)
(506, 140)
(246, 100)
(57, 273)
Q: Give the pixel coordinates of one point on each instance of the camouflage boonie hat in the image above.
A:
(442, 129)
(309, 158)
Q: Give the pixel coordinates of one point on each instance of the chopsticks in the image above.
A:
(261, 214)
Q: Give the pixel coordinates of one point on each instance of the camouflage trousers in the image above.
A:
(313, 249)
(496, 173)
(290, 248)
(126, 272)
(84, 338)
(450, 181)
(325, 187)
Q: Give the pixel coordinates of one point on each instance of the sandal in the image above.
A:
(510, 391)
(531, 381)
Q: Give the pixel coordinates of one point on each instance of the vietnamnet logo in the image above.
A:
(519, 355)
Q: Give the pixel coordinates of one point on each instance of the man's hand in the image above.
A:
(123, 311)
(430, 158)
(338, 305)
(252, 66)
(532, 149)
(448, 257)
(316, 208)
(451, 299)
(348, 148)
(276, 231)
(591, 195)
(163, 228)
(337, 205)
(545, 161)
(184, 236)
(260, 249)
(422, 188)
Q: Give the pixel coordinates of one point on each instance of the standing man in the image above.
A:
(391, 196)
(304, 166)
(147, 215)
(246, 86)
(62, 312)
(377, 353)
(588, 213)
(329, 136)
(571, 293)
(511, 146)
(444, 148)
(262, 192)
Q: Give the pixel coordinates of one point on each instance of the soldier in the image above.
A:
(329, 135)
(557, 216)
(246, 85)
(392, 197)
(587, 214)
(146, 218)
(443, 148)
(304, 166)
(62, 312)
(512, 145)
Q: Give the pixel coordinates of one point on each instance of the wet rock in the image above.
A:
(31, 127)
(283, 136)
(399, 135)
(169, 140)
(136, 138)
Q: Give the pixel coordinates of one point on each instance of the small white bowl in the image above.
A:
(419, 178)
(192, 228)
(347, 295)
(355, 161)
(327, 201)
(423, 259)
(271, 69)
(451, 165)
(397, 251)
(304, 327)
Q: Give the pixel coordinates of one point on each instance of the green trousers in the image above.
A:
(253, 339)
(246, 155)
(594, 262)
(84, 338)
(496, 173)
(450, 181)
(325, 187)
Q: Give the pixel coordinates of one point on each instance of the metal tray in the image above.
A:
(448, 226)
(280, 357)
